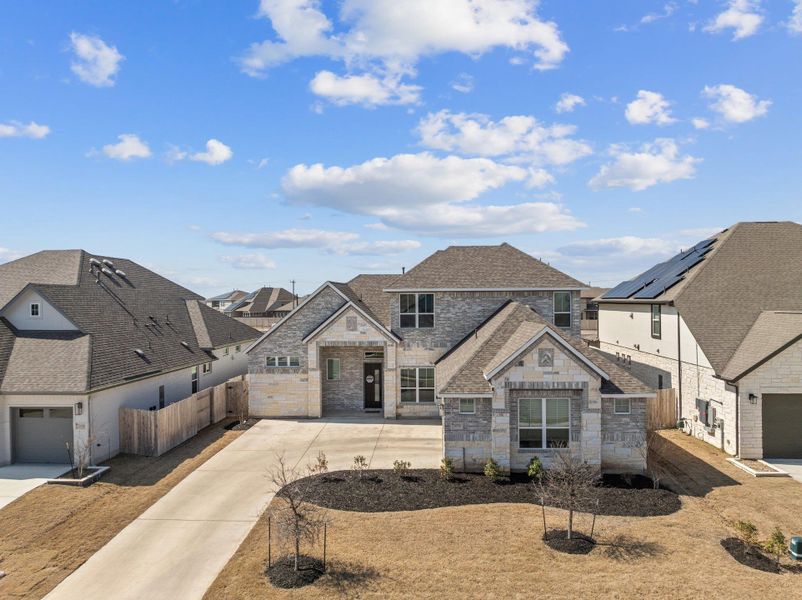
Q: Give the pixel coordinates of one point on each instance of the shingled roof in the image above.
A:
(113, 314)
(263, 300)
(465, 368)
(483, 268)
(370, 289)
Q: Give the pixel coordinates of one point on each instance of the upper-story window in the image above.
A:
(417, 310)
(657, 325)
(562, 309)
(36, 310)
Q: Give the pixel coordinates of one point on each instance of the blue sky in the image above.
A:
(242, 143)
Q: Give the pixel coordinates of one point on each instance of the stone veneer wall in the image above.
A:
(623, 437)
(347, 393)
(467, 438)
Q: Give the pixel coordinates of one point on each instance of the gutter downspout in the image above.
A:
(737, 418)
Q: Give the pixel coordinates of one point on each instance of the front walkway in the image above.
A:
(177, 547)
(19, 479)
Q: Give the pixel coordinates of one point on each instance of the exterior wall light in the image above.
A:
(79, 408)
(752, 399)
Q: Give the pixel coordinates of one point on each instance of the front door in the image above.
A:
(373, 386)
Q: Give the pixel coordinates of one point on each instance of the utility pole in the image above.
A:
(294, 297)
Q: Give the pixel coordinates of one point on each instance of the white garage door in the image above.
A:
(41, 434)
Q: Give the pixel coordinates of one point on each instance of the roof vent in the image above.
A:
(108, 263)
(93, 262)
(185, 345)
(139, 353)
(121, 273)
(107, 271)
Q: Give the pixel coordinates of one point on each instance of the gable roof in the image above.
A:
(469, 366)
(265, 299)
(370, 289)
(57, 267)
(772, 332)
(114, 314)
(501, 267)
(359, 307)
(233, 295)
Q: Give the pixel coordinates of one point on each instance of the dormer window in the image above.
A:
(36, 310)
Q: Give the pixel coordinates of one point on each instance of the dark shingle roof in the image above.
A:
(265, 299)
(7, 339)
(485, 268)
(464, 369)
(772, 331)
(59, 267)
(117, 315)
(370, 288)
(233, 295)
(48, 361)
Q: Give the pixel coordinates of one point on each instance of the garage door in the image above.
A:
(40, 434)
(782, 425)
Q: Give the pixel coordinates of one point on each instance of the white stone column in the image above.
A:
(314, 383)
(390, 382)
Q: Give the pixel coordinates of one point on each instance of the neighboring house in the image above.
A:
(223, 301)
(263, 308)
(722, 324)
(486, 337)
(82, 336)
(590, 312)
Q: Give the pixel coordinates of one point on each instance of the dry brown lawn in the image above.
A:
(48, 533)
(495, 551)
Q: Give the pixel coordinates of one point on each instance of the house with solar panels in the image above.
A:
(721, 323)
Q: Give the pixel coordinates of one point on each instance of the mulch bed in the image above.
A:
(282, 573)
(384, 491)
(750, 555)
(557, 539)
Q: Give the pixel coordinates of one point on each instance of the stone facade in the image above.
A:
(623, 441)
(345, 394)
(467, 438)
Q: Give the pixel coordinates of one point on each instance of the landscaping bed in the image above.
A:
(557, 539)
(282, 573)
(750, 555)
(384, 491)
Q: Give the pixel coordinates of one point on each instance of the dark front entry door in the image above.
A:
(373, 385)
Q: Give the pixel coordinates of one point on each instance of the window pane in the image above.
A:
(271, 361)
(530, 412)
(36, 413)
(531, 438)
(622, 405)
(426, 377)
(426, 321)
(562, 320)
(332, 368)
(61, 413)
(466, 405)
(426, 303)
(408, 396)
(408, 378)
(407, 320)
(426, 396)
(562, 302)
(295, 361)
(557, 412)
(556, 438)
(407, 303)
(282, 361)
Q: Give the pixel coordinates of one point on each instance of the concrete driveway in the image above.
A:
(792, 466)
(177, 547)
(19, 479)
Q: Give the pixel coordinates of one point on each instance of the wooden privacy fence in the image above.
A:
(662, 411)
(237, 397)
(154, 432)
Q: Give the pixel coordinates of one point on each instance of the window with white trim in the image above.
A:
(206, 368)
(282, 361)
(562, 309)
(544, 422)
(622, 406)
(332, 369)
(467, 406)
(657, 325)
(417, 310)
(417, 384)
(36, 310)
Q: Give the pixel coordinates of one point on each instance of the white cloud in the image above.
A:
(794, 24)
(619, 246)
(387, 38)
(96, 62)
(656, 162)
(699, 123)
(426, 194)
(249, 261)
(366, 89)
(334, 242)
(699, 233)
(649, 107)
(31, 130)
(129, 146)
(260, 163)
(742, 16)
(668, 9)
(734, 104)
(635, 209)
(522, 137)
(216, 153)
(568, 102)
(464, 83)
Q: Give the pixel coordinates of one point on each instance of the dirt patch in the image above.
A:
(758, 466)
(750, 555)
(557, 539)
(282, 573)
(48, 533)
(384, 491)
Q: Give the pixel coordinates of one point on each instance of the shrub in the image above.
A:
(400, 467)
(746, 531)
(360, 466)
(535, 468)
(321, 464)
(446, 468)
(776, 544)
(492, 470)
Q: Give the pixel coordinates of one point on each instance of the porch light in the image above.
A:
(752, 399)
(79, 408)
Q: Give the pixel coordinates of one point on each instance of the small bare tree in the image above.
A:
(296, 518)
(570, 485)
(648, 447)
(81, 455)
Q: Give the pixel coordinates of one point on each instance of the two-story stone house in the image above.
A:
(477, 335)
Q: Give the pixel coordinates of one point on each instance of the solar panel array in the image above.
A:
(650, 284)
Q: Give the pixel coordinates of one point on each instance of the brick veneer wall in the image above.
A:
(467, 438)
(624, 437)
(347, 393)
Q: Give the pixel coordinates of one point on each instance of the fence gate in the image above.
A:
(662, 410)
